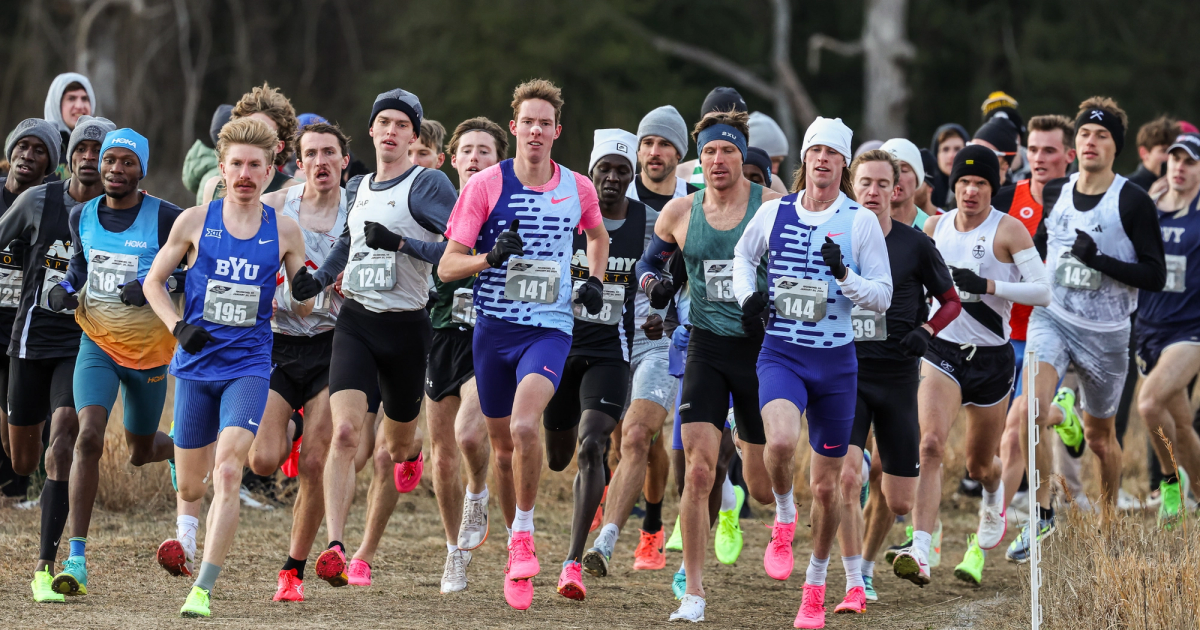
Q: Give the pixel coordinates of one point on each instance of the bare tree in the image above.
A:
(887, 50)
(192, 68)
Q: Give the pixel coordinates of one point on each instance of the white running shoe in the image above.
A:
(992, 525)
(249, 501)
(474, 527)
(691, 608)
(454, 574)
(189, 552)
(912, 565)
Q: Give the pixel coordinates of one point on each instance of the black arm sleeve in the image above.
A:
(77, 267)
(430, 201)
(1050, 195)
(335, 262)
(1139, 217)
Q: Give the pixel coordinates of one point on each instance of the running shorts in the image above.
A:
(505, 353)
(97, 379)
(37, 387)
(718, 367)
(821, 382)
(1101, 359)
(386, 348)
(984, 374)
(1152, 342)
(450, 363)
(300, 366)
(652, 380)
(587, 384)
(205, 408)
(887, 400)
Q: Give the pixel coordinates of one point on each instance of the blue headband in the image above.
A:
(722, 132)
(128, 139)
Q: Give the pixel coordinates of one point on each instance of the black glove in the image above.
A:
(1084, 248)
(659, 292)
(378, 237)
(304, 286)
(969, 281)
(192, 338)
(432, 301)
(753, 311)
(59, 300)
(131, 294)
(507, 244)
(591, 295)
(916, 342)
(832, 253)
(653, 327)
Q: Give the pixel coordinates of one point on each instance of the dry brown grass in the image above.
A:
(125, 487)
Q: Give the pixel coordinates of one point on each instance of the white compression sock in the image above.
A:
(868, 569)
(728, 496)
(524, 521)
(607, 539)
(922, 541)
(853, 567)
(482, 496)
(816, 571)
(994, 499)
(186, 526)
(785, 507)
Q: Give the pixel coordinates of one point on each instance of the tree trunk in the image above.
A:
(887, 51)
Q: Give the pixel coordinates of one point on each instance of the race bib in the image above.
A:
(107, 272)
(868, 325)
(322, 301)
(801, 300)
(532, 281)
(462, 308)
(1073, 274)
(1176, 274)
(53, 277)
(10, 288)
(371, 270)
(964, 264)
(610, 312)
(230, 304)
(718, 280)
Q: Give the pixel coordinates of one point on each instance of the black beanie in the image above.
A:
(976, 160)
(220, 117)
(723, 99)
(1000, 133)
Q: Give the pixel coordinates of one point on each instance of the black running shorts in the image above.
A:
(388, 348)
(588, 383)
(984, 373)
(37, 387)
(450, 363)
(719, 367)
(300, 366)
(887, 400)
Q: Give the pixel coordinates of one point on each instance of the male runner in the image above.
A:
(387, 250)
(115, 238)
(451, 399)
(1102, 245)
(994, 264)
(222, 364)
(889, 349)
(705, 226)
(1168, 340)
(911, 180)
(523, 332)
(70, 97)
(270, 106)
(808, 363)
(1000, 135)
(720, 99)
(662, 141)
(1153, 138)
(592, 390)
(44, 343)
(303, 344)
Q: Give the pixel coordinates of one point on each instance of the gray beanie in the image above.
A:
(88, 128)
(766, 134)
(665, 122)
(42, 130)
(400, 100)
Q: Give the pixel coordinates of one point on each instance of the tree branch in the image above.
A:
(821, 41)
(801, 102)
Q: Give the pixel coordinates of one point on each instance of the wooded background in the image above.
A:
(887, 67)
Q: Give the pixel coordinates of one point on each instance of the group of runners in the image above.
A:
(537, 313)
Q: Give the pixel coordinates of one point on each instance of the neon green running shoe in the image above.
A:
(73, 579)
(679, 584)
(728, 541)
(43, 592)
(970, 570)
(675, 543)
(196, 604)
(890, 554)
(1069, 430)
(1170, 511)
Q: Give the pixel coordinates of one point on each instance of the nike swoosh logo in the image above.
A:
(550, 371)
(553, 200)
(832, 447)
(252, 423)
(831, 234)
(605, 402)
(262, 242)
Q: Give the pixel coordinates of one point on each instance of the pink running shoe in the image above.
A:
(518, 593)
(408, 474)
(331, 566)
(570, 582)
(812, 608)
(522, 557)
(855, 602)
(290, 588)
(778, 560)
(359, 573)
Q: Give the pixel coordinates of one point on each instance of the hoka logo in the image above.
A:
(239, 267)
(137, 244)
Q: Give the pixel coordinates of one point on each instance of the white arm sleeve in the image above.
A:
(748, 252)
(1034, 288)
(871, 288)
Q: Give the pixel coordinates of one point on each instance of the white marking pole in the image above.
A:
(1035, 545)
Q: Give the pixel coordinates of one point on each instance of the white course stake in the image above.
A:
(1035, 543)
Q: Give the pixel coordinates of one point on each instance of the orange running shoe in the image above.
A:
(649, 554)
(291, 466)
(291, 588)
(599, 520)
